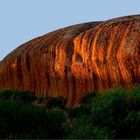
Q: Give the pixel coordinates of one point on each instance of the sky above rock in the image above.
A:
(23, 20)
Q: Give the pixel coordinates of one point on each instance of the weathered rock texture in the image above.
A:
(77, 59)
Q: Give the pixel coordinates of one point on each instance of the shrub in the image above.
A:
(56, 102)
(32, 122)
(25, 97)
(40, 123)
(6, 111)
(40, 100)
(78, 110)
(6, 94)
(82, 128)
(135, 98)
(56, 118)
(132, 125)
(88, 98)
(18, 96)
(110, 108)
(114, 114)
(25, 121)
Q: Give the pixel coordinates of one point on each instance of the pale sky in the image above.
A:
(23, 20)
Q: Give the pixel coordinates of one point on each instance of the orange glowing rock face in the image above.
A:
(75, 60)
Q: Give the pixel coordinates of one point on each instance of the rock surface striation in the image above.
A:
(77, 59)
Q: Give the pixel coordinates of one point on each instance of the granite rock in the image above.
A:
(77, 59)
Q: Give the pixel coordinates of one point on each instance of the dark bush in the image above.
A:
(56, 118)
(25, 97)
(111, 108)
(22, 121)
(104, 120)
(7, 110)
(7, 94)
(32, 122)
(83, 109)
(132, 125)
(40, 100)
(56, 102)
(18, 96)
(114, 114)
(7, 117)
(82, 128)
(135, 98)
(88, 98)
(25, 121)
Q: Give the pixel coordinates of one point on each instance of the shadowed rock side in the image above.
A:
(75, 60)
